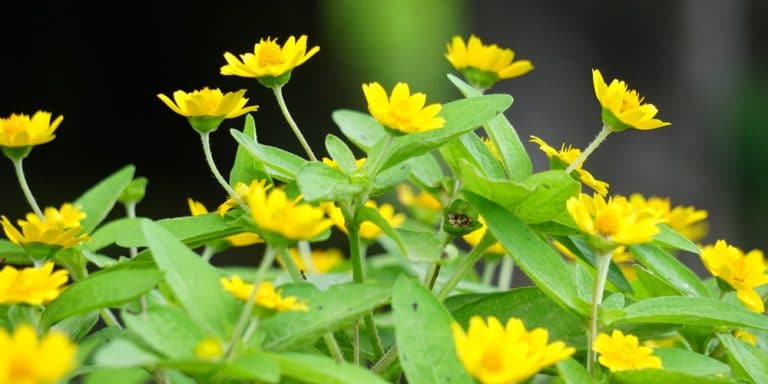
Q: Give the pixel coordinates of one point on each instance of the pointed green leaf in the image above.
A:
(252, 366)
(547, 202)
(425, 343)
(692, 363)
(373, 215)
(578, 246)
(360, 128)
(110, 232)
(118, 376)
(658, 376)
(655, 285)
(571, 372)
(471, 149)
(191, 230)
(121, 353)
(505, 193)
(99, 199)
(12, 253)
(316, 369)
(670, 239)
(246, 167)
(340, 153)
(390, 177)
(281, 164)
(669, 268)
(318, 181)
(749, 362)
(699, 311)
(426, 170)
(421, 247)
(168, 330)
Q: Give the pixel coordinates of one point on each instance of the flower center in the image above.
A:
(22, 369)
(607, 223)
(401, 111)
(270, 54)
(492, 359)
(15, 124)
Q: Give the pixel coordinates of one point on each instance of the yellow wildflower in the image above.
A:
(474, 237)
(34, 286)
(242, 190)
(620, 352)
(323, 260)
(483, 65)
(27, 359)
(613, 220)
(368, 230)
(272, 211)
(497, 354)
(742, 272)
(402, 111)
(209, 349)
(244, 239)
(745, 336)
(422, 200)
(59, 227)
(266, 295)
(332, 163)
(269, 62)
(23, 131)
(622, 107)
(564, 157)
(686, 220)
(205, 109)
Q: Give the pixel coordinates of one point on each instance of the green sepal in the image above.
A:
(134, 192)
(612, 122)
(17, 153)
(41, 252)
(205, 124)
(275, 81)
(479, 78)
(460, 218)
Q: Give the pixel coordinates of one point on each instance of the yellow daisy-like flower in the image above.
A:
(322, 260)
(623, 108)
(402, 111)
(270, 63)
(332, 163)
(483, 65)
(244, 239)
(60, 227)
(27, 359)
(742, 272)
(20, 130)
(620, 352)
(266, 295)
(498, 354)
(614, 220)
(209, 349)
(205, 109)
(473, 238)
(272, 211)
(423, 199)
(34, 286)
(368, 230)
(564, 157)
(686, 220)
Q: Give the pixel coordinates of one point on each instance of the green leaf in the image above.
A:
(514, 156)
(461, 117)
(547, 202)
(111, 232)
(425, 343)
(426, 171)
(246, 167)
(371, 214)
(503, 192)
(316, 369)
(391, 176)
(327, 313)
(118, 376)
(194, 282)
(572, 372)
(168, 330)
(669, 238)
(340, 152)
(12, 253)
(360, 128)
(536, 258)
(699, 311)
(99, 199)
(107, 288)
(471, 149)
(77, 327)
(579, 247)
(668, 268)
(318, 181)
(692, 363)
(658, 376)
(750, 362)
(121, 353)
(533, 307)
(421, 247)
(282, 165)
(655, 285)
(191, 230)
(252, 366)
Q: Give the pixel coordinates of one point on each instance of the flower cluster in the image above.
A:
(34, 286)
(266, 295)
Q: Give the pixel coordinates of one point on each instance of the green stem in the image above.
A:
(80, 272)
(373, 334)
(206, 139)
(355, 253)
(305, 251)
(208, 253)
(604, 132)
(506, 273)
(601, 274)
(278, 90)
(356, 342)
(333, 347)
(489, 268)
(385, 360)
(17, 165)
(431, 277)
(466, 265)
(130, 212)
(378, 161)
(242, 322)
(290, 265)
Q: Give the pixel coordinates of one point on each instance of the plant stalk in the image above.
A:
(506, 273)
(603, 262)
(278, 90)
(466, 265)
(206, 139)
(17, 165)
(601, 136)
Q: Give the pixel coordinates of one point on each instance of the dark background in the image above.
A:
(701, 62)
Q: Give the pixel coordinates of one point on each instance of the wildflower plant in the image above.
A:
(89, 297)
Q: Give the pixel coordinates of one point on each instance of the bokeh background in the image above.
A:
(704, 63)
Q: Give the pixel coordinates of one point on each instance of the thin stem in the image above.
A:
(354, 253)
(385, 360)
(431, 277)
(242, 322)
(489, 268)
(305, 251)
(356, 342)
(373, 334)
(206, 139)
(290, 265)
(208, 253)
(507, 272)
(333, 347)
(17, 164)
(601, 274)
(80, 272)
(278, 90)
(466, 265)
(604, 132)
(130, 212)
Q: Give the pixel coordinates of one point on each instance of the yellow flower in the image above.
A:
(564, 157)
(368, 230)
(745, 336)
(269, 62)
(483, 65)
(34, 286)
(402, 111)
(22, 131)
(742, 272)
(332, 163)
(686, 220)
(244, 239)
(266, 295)
(623, 108)
(474, 237)
(564, 250)
(242, 190)
(205, 109)
(620, 352)
(272, 211)
(613, 220)
(27, 359)
(323, 260)
(497, 354)
(209, 349)
(59, 227)
(424, 200)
